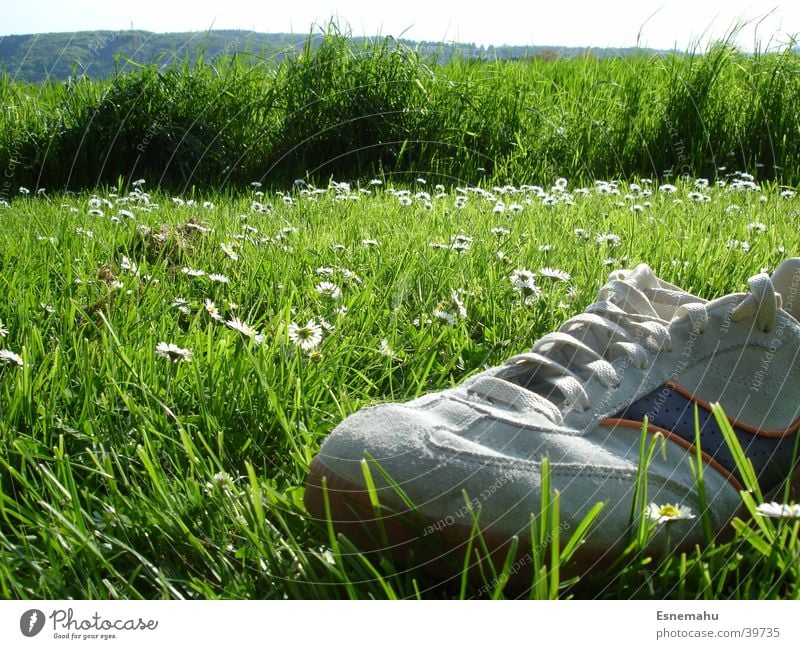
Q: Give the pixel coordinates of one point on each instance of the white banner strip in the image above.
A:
(397, 624)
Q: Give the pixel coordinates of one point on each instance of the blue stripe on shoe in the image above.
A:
(668, 407)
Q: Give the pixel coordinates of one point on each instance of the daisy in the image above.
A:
(173, 353)
(330, 289)
(735, 244)
(555, 273)
(324, 271)
(212, 310)
(528, 289)
(667, 513)
(3, 330)
(521, 276)
(242, 327)
(192, 272)
(451, 310)
(222, 481)
(227, 248)
(306, 337)
(448, 317)
(385, 350)
(758, 227)
(7, 356)
(500, 232)
(369, 242)
(608, 238)
(778, 510)
(182, 305)
(216, 277)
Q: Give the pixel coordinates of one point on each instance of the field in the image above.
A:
(205, 268)
(130, 469)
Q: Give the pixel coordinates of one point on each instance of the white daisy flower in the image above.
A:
(778, 510)
(307, 336)
(522, 275)
(757, 227)
(666, 513)
(385, 350)
(7, 356)
(3, 330)
(555, 273)
(173, 353)
(217, 277)
(212, 310)
(608, 238)
(182, 305)
(330, 289)
(242, 327)
(192, 272)
(448, 317)
(227, 248)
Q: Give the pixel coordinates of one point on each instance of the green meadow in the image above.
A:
(125, 472)
(337, 230)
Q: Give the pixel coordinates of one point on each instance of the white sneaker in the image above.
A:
(645, 348)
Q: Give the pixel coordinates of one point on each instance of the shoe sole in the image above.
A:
(418, 543)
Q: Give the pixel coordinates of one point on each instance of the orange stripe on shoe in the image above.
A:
(748, 428)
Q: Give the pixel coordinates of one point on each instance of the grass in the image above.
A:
(125, 475)
(353, 111)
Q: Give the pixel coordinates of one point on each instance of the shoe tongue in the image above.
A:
(626, 290)
(642, 277)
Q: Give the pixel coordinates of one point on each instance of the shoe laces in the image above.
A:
(622, 324)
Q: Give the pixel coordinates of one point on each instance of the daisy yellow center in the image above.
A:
(669, 510)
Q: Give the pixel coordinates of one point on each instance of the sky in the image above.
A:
(660, 24)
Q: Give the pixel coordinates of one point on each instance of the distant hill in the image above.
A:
(36, 57)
